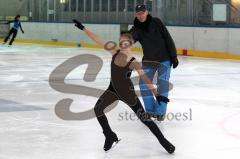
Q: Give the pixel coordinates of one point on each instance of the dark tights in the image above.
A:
(12, 31)
(108, 98)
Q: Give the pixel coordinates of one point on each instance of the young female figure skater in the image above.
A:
(14, 29)
(121, 88)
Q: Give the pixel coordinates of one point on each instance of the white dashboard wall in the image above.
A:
(207, 39)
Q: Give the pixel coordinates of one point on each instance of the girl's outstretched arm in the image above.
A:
(94, 36)
(136, 65)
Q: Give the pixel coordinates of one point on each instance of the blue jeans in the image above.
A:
(163, 76)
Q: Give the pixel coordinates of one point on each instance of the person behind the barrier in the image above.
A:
(14, 30)
(122, 88)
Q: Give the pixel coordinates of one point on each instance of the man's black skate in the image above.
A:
(168, 146)
(111, 138)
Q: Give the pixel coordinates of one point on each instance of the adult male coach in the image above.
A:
(159, 55)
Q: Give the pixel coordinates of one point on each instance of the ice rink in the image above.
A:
(205, 91)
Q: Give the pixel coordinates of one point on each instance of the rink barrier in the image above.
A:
(183, 52)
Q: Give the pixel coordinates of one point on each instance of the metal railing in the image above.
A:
(174, 12)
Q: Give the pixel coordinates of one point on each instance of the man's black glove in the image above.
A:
(78, 24)
(162, 99)
(174, 62)
(22, 31)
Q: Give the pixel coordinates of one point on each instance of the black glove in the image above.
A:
(162, 99)
(174, 62)
(78, 24)
(22, 31)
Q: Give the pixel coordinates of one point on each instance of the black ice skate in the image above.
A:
(111, 139)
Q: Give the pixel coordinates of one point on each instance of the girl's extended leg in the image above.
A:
(9, 34)
(138, 109)
(104, 101)
(13, 37)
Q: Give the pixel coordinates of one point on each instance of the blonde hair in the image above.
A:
(128, 36)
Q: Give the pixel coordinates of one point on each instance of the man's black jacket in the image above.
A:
(157, 43)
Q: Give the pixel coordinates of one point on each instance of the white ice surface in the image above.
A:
(30, 129)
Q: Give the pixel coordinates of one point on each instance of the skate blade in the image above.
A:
(114, 145)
